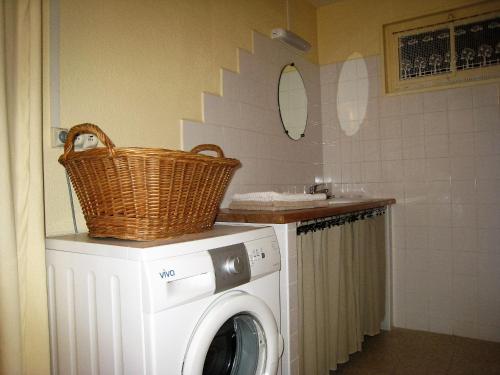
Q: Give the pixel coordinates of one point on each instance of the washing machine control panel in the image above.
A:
(174, 281)
(234, 265)
(231, 266)
(264, 256)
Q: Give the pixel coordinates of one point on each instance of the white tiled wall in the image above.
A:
(245, 122)
(287, 239)
(438, 153)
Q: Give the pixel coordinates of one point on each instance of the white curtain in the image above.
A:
(341, 287)
(23, 307)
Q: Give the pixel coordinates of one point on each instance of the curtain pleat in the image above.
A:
(341, 277)
(23, 304)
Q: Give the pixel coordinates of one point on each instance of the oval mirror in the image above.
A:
(292, 102)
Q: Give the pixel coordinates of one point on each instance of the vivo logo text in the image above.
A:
(165, 274)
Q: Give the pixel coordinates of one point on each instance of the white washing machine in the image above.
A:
(205, 303)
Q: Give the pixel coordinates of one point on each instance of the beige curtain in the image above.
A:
(341, 277)
(23, 311)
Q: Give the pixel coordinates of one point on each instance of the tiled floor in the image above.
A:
(402, 352)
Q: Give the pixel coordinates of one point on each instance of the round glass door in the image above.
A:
(236, 335)
(238, 348)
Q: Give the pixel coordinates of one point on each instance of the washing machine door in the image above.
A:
(237, 335)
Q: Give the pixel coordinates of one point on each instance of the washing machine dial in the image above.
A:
(234, 265)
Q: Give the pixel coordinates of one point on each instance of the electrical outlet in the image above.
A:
(81, 142)
(90, 141)
(58, 137)
(78, 142)
(85, 142)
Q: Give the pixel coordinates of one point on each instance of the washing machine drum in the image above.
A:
(237, 335)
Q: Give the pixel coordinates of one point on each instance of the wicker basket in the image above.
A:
(146, 193)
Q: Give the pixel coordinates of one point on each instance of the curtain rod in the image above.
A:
(328, 222)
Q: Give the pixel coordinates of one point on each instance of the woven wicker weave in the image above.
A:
(146, 193)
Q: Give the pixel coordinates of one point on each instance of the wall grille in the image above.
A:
(443, 49)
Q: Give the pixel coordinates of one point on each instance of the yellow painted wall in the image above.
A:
(137, 68)
(349, 26)
(303, 21)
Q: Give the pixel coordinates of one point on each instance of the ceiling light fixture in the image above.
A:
(290, 38)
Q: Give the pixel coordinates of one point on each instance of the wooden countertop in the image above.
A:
(290, 216)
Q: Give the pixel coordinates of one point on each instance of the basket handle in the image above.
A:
(76, 130)
(208, 147)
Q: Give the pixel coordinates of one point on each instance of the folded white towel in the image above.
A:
(272, 196)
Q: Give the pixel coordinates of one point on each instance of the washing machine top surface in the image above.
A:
(219, 236)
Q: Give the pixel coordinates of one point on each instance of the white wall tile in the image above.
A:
(436, 146)
(441, 267)
(414, 170)
(461, 121)
(414, 147)
(463, 215)
(439, 217)
(370, 130)
(465, 239)
(230, 84)
(459, 98)
(487, 167)
(417, 237)
(438, 192)
(465, 298)
(440, 291)
(370, 150)
(390, 127)
(487, 191)
(415, 193)
(485, 95)
(488, 240)
(465, 263)
(412, 104)
(371, 171)
(390, 106)
(372, 109)
(487, 143)
(437, 169)
(463, 192)
(391, 149)
(417, 282)
(487, 118)
(462, 168)
(328, 74)
(417, 215)
(488, 215)
(232, 141)
(392, 171)
(435, 101)
(488, 264)
(462, 144)
(413, 125)
(374, 87)
(436, 123)
(439, 238)
(329, 93)
(417, 260)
